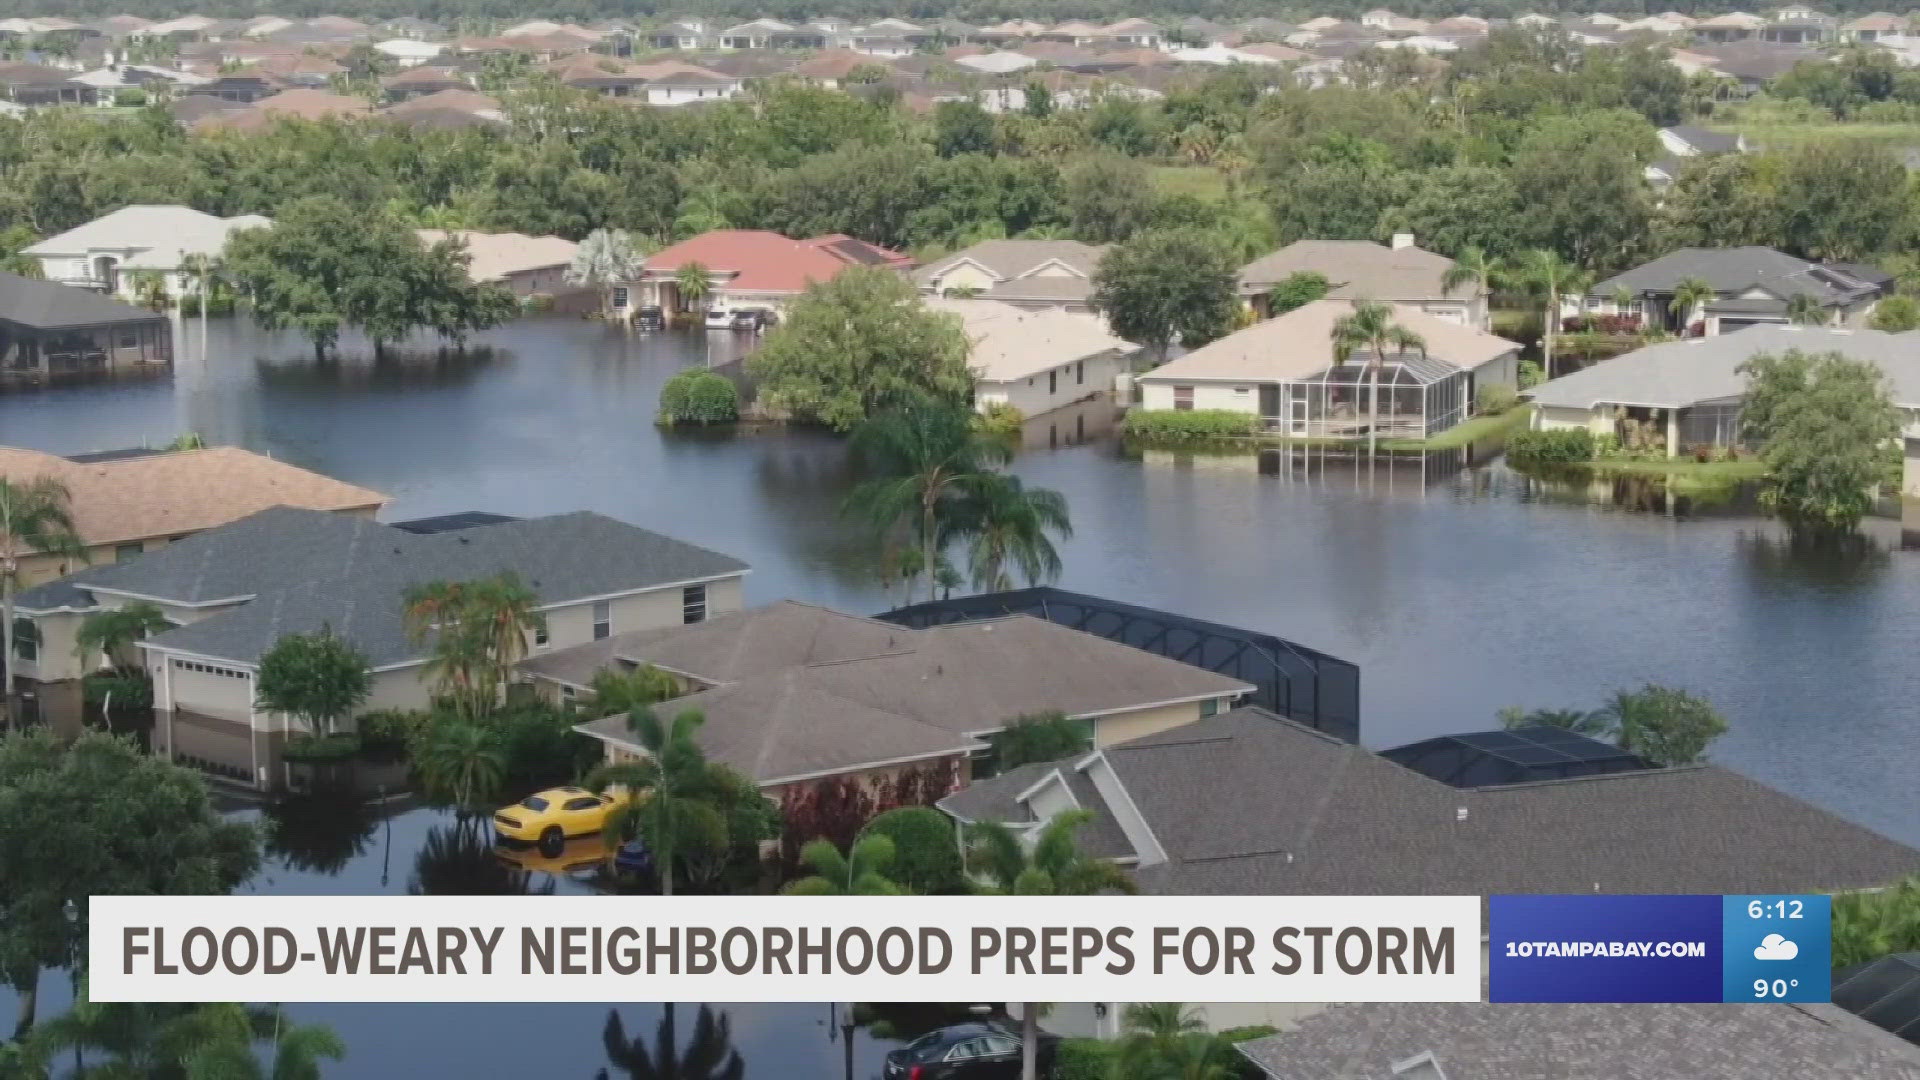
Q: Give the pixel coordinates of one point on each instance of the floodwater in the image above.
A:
(1458, 590)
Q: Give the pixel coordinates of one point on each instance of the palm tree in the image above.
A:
(666, 784)
(1053, 865)
(860, 872)
(694, 282)
(111, 632)
(1005, 525)
(35, 518)
(1688, 294)
(710, 1055)
(150, 289)
(925, 456)
(462, 761)
(605, 260)
(1543, 274)
(479, 630)
(203, 267)
(224, 1050)
(1192, 1055)
(1371, 329)
(1804, 310)
(1475, 265)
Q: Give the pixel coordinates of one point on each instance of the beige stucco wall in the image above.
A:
(1119, 727)
(573, 624)
(1556, 418)
(963, 276)
(1072, 381)
(1239, 397)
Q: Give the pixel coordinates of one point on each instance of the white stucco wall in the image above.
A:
(1554, 418)
(1054, 388)
(1239, 397)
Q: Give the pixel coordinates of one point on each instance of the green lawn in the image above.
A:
(1467, 432)
(1678, 468)
(1776, 127)
(1202, 181)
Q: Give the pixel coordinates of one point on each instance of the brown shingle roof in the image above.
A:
(135, 498)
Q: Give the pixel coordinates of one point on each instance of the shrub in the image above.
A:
(1189, 423)
(129, 691)
(1601, 324)
(384, 732)
(1250, 1031)
(1562, 446)
(925, 857)
(1493, 399)
(1084, 1059)
(307, 748)
(999, 419)
(129, 97)
(699, 396)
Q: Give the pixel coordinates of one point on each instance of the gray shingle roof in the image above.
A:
(995, 799)
(1246, 803)
(1704, 141)
(1358, 269)
(1007, 259)
(1737, 270)
(1678, 374)
(47, 305)
(307, 569)
(1476, 1041)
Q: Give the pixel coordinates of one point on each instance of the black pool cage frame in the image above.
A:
(1302, 684)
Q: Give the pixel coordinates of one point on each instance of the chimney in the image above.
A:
(1402, 240)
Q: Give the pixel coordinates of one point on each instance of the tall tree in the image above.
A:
(1053, 865)
(1827, 427)
(709, 1055)
(1663, 725)
(1547, 277)
(858, 344)
(460, 760)
(1474, 266)
(694, 282)
(204, 269)
(606, 260)
(1108, 197)
(1297, 290)
(318, 678)
(1690, 294)
(144, 826)
(1842, 200)
(1371, 331)
(1006, 527)
(1805, 310)
(113, 631)
(669, 783)
(1047, 736)
(923, 459)
(1165, 286)
(478, 629)
(36, 517)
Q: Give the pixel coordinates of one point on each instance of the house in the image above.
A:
(448, 109)
(409, 52)
(1400, 273)
(749, 268)
(1751, 285)
(128, 502)
(235, 590)
(420, 81)
(794, 693)
(1024, 273)
(757, 34)
(1733, 26)
(831, 68)
(101, 254)
(1878, 28)
(298, 103)
(1434, 1041)
(1139, 33)
(1002, 62)
(1751, 65)
(1685, 141)
(1693, 388)
(1798, 24)
(50, 331)
(1037, 361)
(157, 82)
(672, 82)
(1283, 370)
(300, 69)
(524, 265)
(38, 84)
(242, 87)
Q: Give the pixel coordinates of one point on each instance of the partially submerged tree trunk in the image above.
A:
(1030, 1040)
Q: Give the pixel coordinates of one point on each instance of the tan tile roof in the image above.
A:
(136, 498)
(1358, 269)
(1009, 343)
(311, 104)
(493, 256)
(471, 101)
(1300, 343)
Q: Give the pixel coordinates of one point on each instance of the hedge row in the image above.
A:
(1189, 423)
(1558, 446)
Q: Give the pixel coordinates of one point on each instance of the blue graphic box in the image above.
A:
(1660, 948)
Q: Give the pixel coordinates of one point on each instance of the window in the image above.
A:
(1209, 707)
(128, 341)
(128, 551)
(540, 636)
(567, 693)
(585, 803)
(619, 296)
(208, 669)
(693, 604)
(1079, 372)
(1183, 397)
(26, 639)
(1242, 391)
(1053, 381)
(602, 619)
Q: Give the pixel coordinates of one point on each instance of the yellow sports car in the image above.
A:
(548, 817)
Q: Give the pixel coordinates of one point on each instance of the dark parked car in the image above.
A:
(976, 1050)
(753, 319)
(633, 858)
(650, 318)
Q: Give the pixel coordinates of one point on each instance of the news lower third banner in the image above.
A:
(784, 948)
(1660, 948)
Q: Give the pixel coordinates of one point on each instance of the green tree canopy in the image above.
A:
(113, 631)
(318, 678)
(1047, 736)
(1296, 290)
(1108, 197)
(1828, 432)
(926, 858)
(1163, 286)
(858, 344)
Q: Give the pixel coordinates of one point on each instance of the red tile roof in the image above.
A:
(768, 262)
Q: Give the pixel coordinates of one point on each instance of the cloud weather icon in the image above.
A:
(1775, 947)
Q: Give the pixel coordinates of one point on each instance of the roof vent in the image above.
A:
(1460, 813)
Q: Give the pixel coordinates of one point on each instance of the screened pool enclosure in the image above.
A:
(1419, 397)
